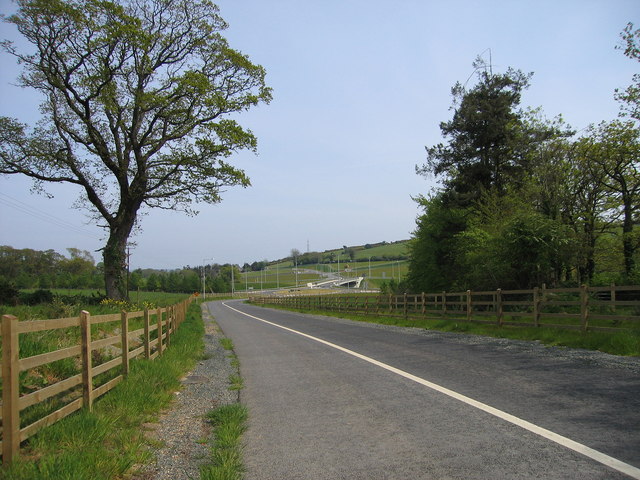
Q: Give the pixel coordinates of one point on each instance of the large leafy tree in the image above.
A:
(629, 98)
(484, 148)
(616, 148)
(137, 98)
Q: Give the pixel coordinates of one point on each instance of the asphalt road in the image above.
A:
(400, 404)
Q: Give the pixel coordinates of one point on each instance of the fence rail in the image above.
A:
(82, 389)
(612, 308)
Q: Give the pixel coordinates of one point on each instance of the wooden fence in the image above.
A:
(611, 308)
(80, 390)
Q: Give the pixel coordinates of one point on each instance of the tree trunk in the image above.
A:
(628, 246)
(115, 254)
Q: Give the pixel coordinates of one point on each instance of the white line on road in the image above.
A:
(600, 457)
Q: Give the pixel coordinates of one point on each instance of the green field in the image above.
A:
(283, 275)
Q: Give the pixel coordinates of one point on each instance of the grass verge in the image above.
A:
(110, 442)
(617, 343)
(229, 423)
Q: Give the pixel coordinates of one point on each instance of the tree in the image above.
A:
(484, 136)
(136, 112)
(618, 156)
(630, 98)
(433, 265)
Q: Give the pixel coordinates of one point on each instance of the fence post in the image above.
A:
(444, 303)
(159, 322)
(424, 306)
(147, 337)
(406, 306)
(469, 306)
(499, 306)
(613, 297)
(536, 306)
(390, 303)
(87, 367)
(170, 314)
(584, 307)
(10, 389)
(124, 317)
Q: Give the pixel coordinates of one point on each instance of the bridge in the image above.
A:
(338, 282)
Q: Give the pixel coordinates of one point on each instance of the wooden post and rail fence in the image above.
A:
(80, 390)
(611, 308)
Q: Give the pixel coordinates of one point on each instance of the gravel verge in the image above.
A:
(534, 347)
(183, 431)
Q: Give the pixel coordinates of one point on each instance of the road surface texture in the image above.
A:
(335, 399)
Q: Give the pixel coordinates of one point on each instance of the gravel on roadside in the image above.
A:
(535, 347)
(183, 432)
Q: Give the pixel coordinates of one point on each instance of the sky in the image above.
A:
(359, 89)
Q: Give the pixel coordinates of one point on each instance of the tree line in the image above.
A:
(525, 200)
(27, 269)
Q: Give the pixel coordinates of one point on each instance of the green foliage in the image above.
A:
(47, 269)
(433, 265)
(523, 203)
(487, 142)
(8, 292)
(630, 98)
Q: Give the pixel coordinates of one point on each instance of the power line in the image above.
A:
(45, 217)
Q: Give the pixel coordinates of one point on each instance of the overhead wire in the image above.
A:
(45, 217)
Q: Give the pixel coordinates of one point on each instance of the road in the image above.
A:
(333, 399)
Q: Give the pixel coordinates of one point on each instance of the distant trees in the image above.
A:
(525, 202)
(33, 269)
(27, 269)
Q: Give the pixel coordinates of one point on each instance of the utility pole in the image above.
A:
(204, 278)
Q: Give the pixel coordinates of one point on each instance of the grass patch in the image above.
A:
(108, 442)
(229, 423)
(226, 343)
(625, 343)
(236, 382)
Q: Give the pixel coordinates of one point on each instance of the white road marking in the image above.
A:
(600, 457)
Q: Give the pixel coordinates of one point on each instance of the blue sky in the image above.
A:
(360, 88)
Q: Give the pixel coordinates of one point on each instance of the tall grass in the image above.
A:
(229, 423)
(108, 442)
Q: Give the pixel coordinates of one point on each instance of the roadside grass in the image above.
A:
(625, 343)
(109, 442)
(226, 343)
(229, 423)
(72, 304)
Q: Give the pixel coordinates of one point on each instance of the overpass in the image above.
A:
(338, 282)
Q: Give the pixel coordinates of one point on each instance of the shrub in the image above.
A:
(37, 297)
(8, 292)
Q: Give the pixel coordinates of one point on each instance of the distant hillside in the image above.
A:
(381, 251)
(396, 250)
